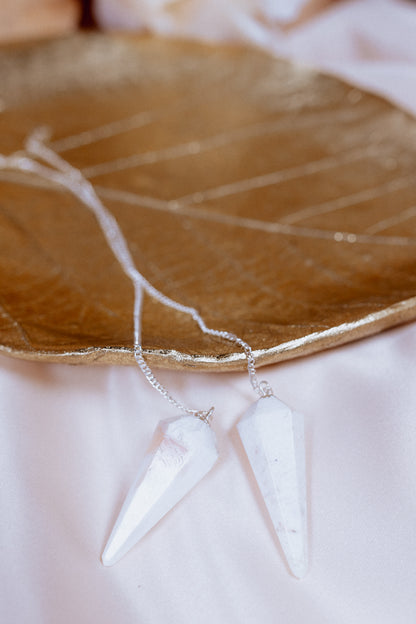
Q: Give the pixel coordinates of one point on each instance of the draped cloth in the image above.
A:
(71, 439)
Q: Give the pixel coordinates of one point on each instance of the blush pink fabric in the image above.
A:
(71, 439)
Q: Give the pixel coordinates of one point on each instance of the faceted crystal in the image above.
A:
(273, 438)
(184, 450)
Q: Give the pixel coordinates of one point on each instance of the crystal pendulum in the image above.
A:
(184, 450)
(273, 438)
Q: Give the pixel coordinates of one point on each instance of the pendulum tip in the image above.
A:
(107, 559)
(299, 569)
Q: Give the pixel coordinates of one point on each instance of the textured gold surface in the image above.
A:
(279, 202)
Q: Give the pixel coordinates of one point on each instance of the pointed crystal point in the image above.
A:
(273, 439)
(184, 450)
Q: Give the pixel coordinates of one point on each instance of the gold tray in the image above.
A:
(278, 201)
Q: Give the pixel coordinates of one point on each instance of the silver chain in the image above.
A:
(64, 174)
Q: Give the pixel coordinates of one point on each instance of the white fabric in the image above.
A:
(213, 19)
(71, 439)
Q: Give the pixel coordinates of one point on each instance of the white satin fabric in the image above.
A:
(71, 439)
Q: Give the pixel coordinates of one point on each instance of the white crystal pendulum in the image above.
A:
(273, 438)
(184, 451)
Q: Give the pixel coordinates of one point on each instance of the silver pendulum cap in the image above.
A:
(183, 452)
(273, 438)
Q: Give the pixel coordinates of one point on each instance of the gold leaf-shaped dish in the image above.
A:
(278, 201)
